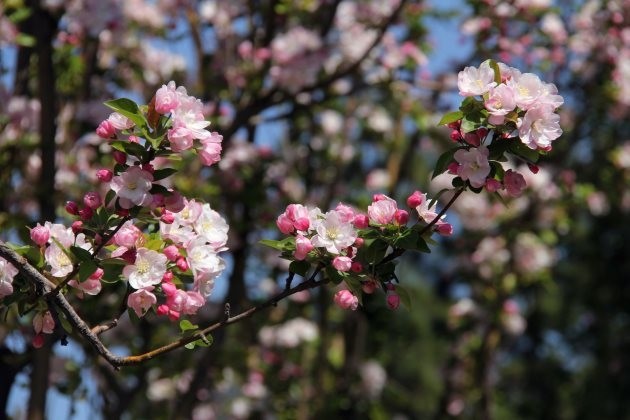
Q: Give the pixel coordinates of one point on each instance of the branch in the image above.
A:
(45, 286)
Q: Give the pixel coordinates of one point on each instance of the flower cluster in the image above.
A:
(504, 111)
(353, 246)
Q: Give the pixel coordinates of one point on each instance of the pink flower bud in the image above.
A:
(361, 221)
(174, 202)
(346, 300)
(72, 208)
(401, 217)
(120, 157)
(38, 340)
(171, 252)
(182, 264)
(92, 200)
(342, 263)
(492, 185)
(173, 315)
(415, 199)
(533, 168)
(104, 175)
(359, 242)
(455, 136)
(106, 130)
(303, 246)
(472, 139)
(302, 224)
(86, 213)
(167, 277)
(148, 167)
(444, 229)
(356, 267)
(167, 217)
(162, 310)
(77, 226)
(453, 167)
(97, 274)
(40, 235)
(169, 289)
(379, 197)
(369, 286)
(285, 225)
(393, 300)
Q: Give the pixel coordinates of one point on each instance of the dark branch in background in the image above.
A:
(44, 286)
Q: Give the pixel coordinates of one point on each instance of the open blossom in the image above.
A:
(132, 187)
(382, 211)
(210, 151)
(180, 138)
(7, 273)
(128, 235)
(474, 81)
(527, 89)
(473, 165)
(167, 97)
(141, 300)
(59, 262)
(189, 116)
(212, 228)
(205, 264)
(147, 270)
(295, 217)
(539, 127)
(333, 234)
(499, 103)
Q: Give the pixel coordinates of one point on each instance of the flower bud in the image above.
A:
(346, 300)
(167, 277)
(361, 221)
(104, 175)
(162, 310)
(356, 267)
(444, 229)
(38, 340)
(492, 185)
(359, 242)
(369, 286)
(97, 274)
(378, 197)
(92, 200)
(342, 263)
(72, 208)
(86, 213)
(106, 130)
(415, 199)
(171, 252)
(455, 136)
(169, 289)
(40, 235)
(77, 226)
(182, 264)
(167, 217)
(120, 157)
(453, 168)
(401, 217)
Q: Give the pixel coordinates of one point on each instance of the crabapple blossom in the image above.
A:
(333, 234)
(342, 263)
(59, 262)
(514, 183)
(361, 221)
(92, 200)
(539, 127)
(210, 151)
(147, 270)
(43, 322)
(104, 175)
(132, 187)
(346, 300)
(167, 98)
(91, 286)
(401, 217)
(205, 264)
(141, 300)
(180, 139)
(474, 81)
(500, 102)
(106, 130)
(171, 252)
(40, 235)
(347, 213)
(212, 228)
(415, 199)
(303, 246)
(119, 121)
(295, 217)
(473, 165)
(7, 273)
(382, 211)
(128, 235)
(527, 88)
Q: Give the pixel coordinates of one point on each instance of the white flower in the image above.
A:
(333, 234)
(205, 264)
(141, 300)
(212, 228)
(476, 81)
(59, 262)
(473, 165)
(527, 89)
(539, 127)
(7, 273)
(147, 270)
(132, 187)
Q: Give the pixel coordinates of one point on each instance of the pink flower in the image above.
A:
(119, 121)
(382, 211)
(106, 130)
(492, 185)
(346, 212)
(346, 300)
(342, 263)
(295, 217)
(43, 322)
(475, 81)
(303, 246)
(7, 273)
(167, 98)
(141, 300)
(92, 200)
(104, 175)
(132, 187)
(171, 252)
(393, 300)
(527, 88)
(499, 103)
(415, 199)
(539, 127)
(72, 208)
(361, 221)
(444, 228)
(474, 165)
(128, 235)
(401, 217)
(193, 302)
(180, 138)
(514, 183)
(210, 152)
(40, 235)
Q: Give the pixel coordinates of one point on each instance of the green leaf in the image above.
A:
(186, 325)
(129, 148)
(129, 109)
(159, 174)
(25, 40)
(443, 161)
(335, 276)
(86, 269)
(451, 117)
(285, 244)
(375, 251)
(407, 240)
(497, 170)
(405, 297)
(81, 254)
(519, 149)
(299, 267)
(422, 246)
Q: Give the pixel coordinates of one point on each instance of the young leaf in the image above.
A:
(408, 240)
(129, 109)
(443, 161)
(86, 269)
(159, 174)
(451, 117)
(299, 267)
(80, 253)
(186, 325)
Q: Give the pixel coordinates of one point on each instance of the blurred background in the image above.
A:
(524, 313)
